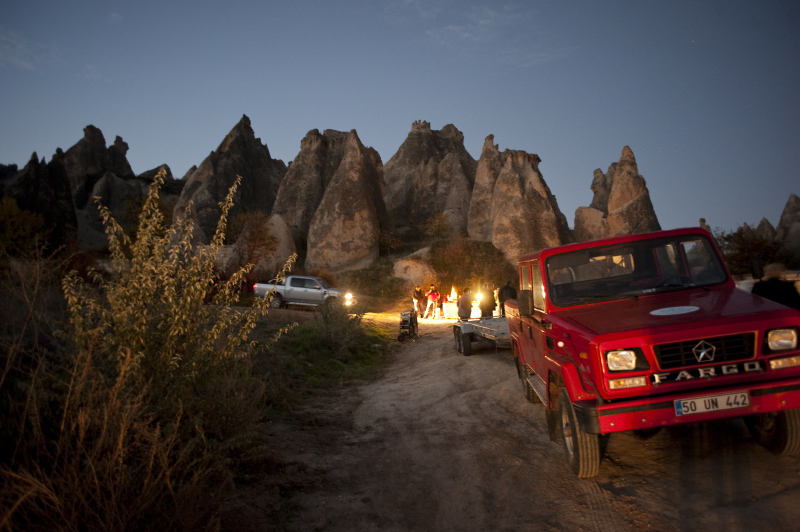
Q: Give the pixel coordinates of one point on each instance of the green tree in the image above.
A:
(438, 227)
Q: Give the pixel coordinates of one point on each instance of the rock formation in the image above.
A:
(431, 173)
(344, 231)
(308, 176)
(523, 212)
(239, 154)
(765, 230)
(89, 160)
(621, 203)
(490, 165)
(268, 262)
(44, 188)
(788, 230)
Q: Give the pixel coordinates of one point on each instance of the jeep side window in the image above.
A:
(525, 280)
(538, 287)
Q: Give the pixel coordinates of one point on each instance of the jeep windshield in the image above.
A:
(632, 269)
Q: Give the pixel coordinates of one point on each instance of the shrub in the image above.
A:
(143, 423)
(438, 227)
(741, 246)
(465, 262)
(20, 231)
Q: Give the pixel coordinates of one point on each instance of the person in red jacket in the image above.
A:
(433, 301)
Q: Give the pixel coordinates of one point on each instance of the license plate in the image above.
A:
(711, 403)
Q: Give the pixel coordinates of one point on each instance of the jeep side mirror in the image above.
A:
(525, 302)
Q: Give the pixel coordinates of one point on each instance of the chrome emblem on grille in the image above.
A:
(704, 352)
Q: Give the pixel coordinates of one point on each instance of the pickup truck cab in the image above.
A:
(298, 290)
(645, 331)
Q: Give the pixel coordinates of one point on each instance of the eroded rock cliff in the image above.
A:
(344, 231)
(239, 154)
(621, 204)
(431, 173)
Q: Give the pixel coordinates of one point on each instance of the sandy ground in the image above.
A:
(447, 442)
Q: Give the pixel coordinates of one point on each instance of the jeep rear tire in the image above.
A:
(582, 450)
(457, 338)
(778, 432)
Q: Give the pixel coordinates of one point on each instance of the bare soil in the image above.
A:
(447, 442)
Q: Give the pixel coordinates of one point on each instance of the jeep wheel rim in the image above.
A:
(566, 428)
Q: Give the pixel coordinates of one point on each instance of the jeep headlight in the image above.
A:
(621, 360)
(782, 339)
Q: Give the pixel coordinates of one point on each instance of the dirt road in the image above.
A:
(447, 442)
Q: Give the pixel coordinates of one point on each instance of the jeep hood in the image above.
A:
(673, 308)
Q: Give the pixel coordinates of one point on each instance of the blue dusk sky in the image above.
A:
(706, 94)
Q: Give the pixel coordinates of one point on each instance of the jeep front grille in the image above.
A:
(679, 354)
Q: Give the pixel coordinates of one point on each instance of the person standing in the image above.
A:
(432, 296)
(417, 297)
(773, 287)
(465, 305)
(487, 303)
(506, 293)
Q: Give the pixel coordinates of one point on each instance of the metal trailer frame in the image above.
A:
(494, 329)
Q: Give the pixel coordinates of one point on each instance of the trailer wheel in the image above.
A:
(778, 432)
(457, 338)
(466, 343)
(276, 302)
(582, 450)
(530, 395)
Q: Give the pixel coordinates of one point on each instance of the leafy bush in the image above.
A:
(741, 246)
(142, 421)
(465, 262)
(438, 227)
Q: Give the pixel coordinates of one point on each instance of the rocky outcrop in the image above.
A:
(621, 204)
(89, 160)
(524, 213)
(431, 173)
(765, 230)
(479, 224)
(343, 233)
(788, 230)
(44, 188)
(415, 271)
(308, 176)
(268, 262)
(239, 154)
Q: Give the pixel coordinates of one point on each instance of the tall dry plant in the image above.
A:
(156, 404)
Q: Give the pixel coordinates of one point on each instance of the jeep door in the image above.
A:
(532, 336)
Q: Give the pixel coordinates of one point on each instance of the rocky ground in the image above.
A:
(447, 442)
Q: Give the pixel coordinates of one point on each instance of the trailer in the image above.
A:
(494, 329)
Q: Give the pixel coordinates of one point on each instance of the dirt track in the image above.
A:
(447, 442)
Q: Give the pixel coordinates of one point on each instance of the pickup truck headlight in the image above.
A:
(782, 339)
(621, 360)
(348, 299)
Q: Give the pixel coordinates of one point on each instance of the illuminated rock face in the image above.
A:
(621, 203)
(344, 231)
(524, 213)
(308, 176)
(239, 154)
(431, 173)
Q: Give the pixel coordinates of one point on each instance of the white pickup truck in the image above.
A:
(299, 290)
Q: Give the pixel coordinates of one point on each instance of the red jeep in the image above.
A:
(644, 331)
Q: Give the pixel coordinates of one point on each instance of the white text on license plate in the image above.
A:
(711, 403)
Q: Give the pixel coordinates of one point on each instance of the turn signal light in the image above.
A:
(629, 382)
